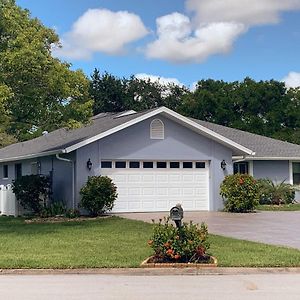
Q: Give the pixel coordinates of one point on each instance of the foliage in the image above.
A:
(44, 94)
(53, 209)
(275, 193)
(240, 193)
(32, 191)
(72, 213)
(113, 94)
(98, 195)
(185, 244)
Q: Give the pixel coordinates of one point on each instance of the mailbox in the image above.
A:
(176, 214)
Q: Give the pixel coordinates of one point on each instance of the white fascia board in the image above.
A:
(168, 112)
(296, 158)
(29, 156)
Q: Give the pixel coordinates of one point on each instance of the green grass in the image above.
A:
(113, 242)
(283, 207)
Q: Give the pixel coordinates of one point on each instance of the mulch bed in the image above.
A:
(61, 219)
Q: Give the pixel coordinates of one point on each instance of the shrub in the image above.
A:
(185, 244)
(98, 195)
(72, 213)
(32, 191)
(54, 209)
(273, 193)
(240, 193)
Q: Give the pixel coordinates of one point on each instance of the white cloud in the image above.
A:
(292, 80)
(254, 12)
(213, 28)
(101, 30)
(160, 79)
(179, 42)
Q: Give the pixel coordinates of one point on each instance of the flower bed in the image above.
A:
(179, 247)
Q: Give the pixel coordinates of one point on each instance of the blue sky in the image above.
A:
(187, 40)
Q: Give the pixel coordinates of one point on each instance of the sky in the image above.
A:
(180, 41)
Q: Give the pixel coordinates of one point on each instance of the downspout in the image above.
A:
(73, 176)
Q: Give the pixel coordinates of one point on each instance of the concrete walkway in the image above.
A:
(277, 228)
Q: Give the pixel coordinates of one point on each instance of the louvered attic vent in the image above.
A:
(157, 130)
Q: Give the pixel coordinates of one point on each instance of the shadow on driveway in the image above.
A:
(277, 228)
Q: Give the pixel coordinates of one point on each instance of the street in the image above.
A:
(99, 286)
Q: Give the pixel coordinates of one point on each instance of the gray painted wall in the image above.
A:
(277, 171)
(62, 175)
(134, 142)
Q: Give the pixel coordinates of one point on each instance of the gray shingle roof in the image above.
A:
(60, 139)
(261, 145)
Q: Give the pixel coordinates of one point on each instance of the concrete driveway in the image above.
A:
(277, 228)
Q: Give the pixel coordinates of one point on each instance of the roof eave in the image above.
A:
(30, 156)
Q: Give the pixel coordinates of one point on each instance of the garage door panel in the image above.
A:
(141, 190)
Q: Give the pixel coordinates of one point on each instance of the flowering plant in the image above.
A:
(185, 244)
(240, 193)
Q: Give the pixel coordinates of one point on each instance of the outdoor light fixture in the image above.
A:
(89, 164)
(223, 164)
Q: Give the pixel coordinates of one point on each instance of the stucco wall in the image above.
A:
(277, 171)
(62, 175)
(179, 143)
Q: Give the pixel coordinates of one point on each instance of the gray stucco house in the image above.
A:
(157, 158)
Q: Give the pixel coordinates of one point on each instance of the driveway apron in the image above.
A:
(276, 228)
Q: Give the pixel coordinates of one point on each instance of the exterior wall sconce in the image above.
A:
(223, 164)
(89, 164)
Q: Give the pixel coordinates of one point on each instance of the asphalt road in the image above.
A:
(231, 287)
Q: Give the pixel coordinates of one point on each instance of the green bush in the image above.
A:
(185, 244)
(32, 191)
(56, 208)
(273, 193)
(240, 193)
(72, 213)
(98, 195)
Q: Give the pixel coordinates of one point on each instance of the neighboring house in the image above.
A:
(157, 158)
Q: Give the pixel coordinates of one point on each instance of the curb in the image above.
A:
(152, 271)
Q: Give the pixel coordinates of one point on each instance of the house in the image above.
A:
(157, 158)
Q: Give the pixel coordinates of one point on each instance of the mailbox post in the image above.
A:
(176, 214)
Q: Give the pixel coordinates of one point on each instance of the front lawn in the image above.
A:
(113, 242)
(282, 207)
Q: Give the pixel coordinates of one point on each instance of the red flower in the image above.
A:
(241, 181)
(177, 256)
(170, 252)
(167, 245)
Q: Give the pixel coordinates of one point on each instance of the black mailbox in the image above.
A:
(176, 214)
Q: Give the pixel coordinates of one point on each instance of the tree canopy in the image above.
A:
(43, 92)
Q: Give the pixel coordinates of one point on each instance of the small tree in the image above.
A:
(275, 193)
(32, 191)
(98, 195)
(240, 193)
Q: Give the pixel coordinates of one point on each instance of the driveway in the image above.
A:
(277, 228)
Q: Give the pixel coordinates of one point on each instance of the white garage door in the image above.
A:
(145, 186)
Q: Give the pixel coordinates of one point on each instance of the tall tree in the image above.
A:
(114, 94)
(46, 94)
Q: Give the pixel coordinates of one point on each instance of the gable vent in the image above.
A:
(157, 130)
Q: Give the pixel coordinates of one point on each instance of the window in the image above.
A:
(240, 167)
(174, 164)
(134, 164)
(120, 164)
(148, 164)
(296, 172)
(187, 164)
(106, 164)
(161, 164)
(200, 165)
(157, 130)
(5, 171)
(18, 171)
